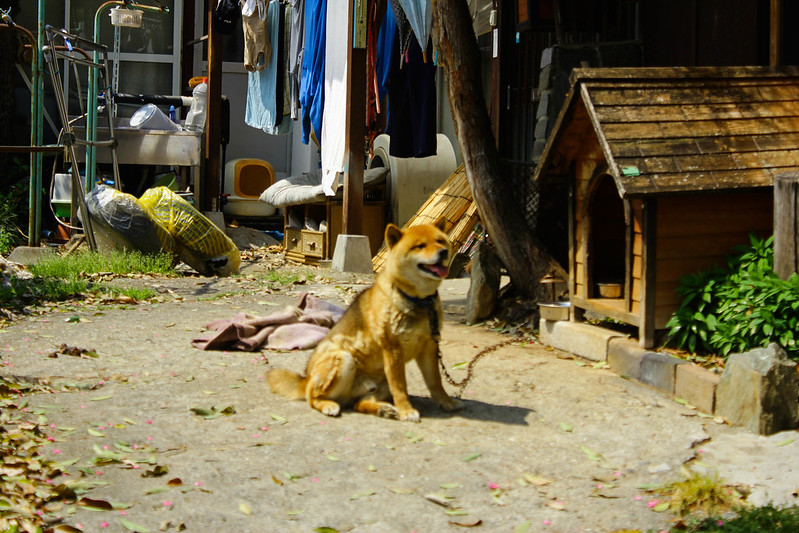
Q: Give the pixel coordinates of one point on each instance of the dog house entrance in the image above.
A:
(606, 240)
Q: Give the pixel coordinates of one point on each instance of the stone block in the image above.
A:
(659, 370)
(352, 254)
(28, 255)
(217, 217)
(625, 356)
(697, 386)
(590, 342)
(759, 390)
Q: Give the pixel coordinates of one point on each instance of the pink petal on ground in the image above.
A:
(493, 486)
(652, 503)
(56, 451)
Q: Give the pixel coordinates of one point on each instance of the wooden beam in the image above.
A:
(209, 188)
(646, 325)
(786, 224)
(775, 40)
(352, 215)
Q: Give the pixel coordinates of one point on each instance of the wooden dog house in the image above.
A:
(667, 169)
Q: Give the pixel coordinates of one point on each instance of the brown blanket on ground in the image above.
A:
(293, 328)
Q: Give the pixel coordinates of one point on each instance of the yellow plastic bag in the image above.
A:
(200, 243)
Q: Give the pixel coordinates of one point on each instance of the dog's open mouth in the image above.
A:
(436, 270)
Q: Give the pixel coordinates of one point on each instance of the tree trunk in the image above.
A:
(498, 204)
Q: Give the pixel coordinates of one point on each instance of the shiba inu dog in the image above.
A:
(362, 360)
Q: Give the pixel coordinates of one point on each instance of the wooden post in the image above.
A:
(356, 119)
(775, 39)
(786, 224)
(209, 198)
(646, 325)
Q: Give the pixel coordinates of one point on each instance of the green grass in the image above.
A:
(751, 520)
(82, 263)
(700, 494)
(59, 278)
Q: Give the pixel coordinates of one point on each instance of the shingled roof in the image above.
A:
(673, 130)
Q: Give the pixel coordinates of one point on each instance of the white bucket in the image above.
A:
(149, 117)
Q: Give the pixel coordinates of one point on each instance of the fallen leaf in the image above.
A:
(557, 506)
(522, 528)
(101, 398)
(278, 418)
(175, 482)
(156, 490)
(277, 481)
(245, 508)
(471, 457)
(332, 458)
(400, 490)
(95, 433)
(786, 442)
(456, 512)
(325, 529)
(659, 508)
(158, 471)
(450, 485)
(131, 526)
(362, 494)
(99, 505)
(566, 427)
(592, 455)
(439, 499)
(474, 523)
(538, 481)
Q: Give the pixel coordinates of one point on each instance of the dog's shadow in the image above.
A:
(475, 410)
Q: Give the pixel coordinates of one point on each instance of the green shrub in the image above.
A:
(13, 203)
(742, 306)
(752, 520)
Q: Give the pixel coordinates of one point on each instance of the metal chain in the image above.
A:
(479, 355)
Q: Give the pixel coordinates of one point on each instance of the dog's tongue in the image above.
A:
(440, 270)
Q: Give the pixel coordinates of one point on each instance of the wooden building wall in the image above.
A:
(697, 231)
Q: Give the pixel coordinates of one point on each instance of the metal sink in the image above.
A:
(145, 147)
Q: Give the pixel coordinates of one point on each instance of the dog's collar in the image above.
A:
(427, 303)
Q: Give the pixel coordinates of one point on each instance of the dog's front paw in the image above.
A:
(410, 415)
(386, 410)
(452, 404)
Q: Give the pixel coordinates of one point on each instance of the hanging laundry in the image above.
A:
(281, 70)
(257, 45)
(313, 69)
(412, 102)
(381, 30)
(261, 108)
(334, 153)
(296, 51)
(385, 46)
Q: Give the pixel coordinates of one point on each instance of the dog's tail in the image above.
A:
(287, 383)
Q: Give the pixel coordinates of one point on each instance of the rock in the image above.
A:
(759, 390)
(482, 296)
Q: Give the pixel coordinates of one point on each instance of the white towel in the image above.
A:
(334, 118)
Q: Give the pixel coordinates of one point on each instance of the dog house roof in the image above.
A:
(673, 130)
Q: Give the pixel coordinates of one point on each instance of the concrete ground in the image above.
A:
(547, 442)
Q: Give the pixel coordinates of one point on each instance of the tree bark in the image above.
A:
(498, 204)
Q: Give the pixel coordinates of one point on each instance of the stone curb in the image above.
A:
(674, 377)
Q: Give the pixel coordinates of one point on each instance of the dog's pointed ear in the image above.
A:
(393, 235)
(441, 222)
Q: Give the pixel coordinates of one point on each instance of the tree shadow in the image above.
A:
(475, 410)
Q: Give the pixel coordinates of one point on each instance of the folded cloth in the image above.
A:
(293, 328)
